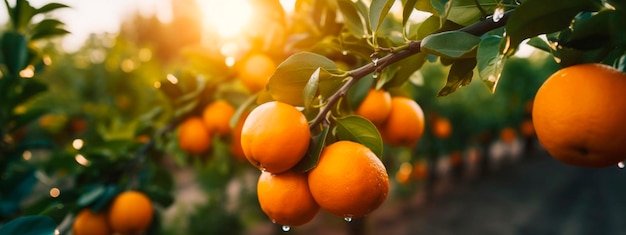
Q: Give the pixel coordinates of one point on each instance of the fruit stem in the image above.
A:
(412, 48)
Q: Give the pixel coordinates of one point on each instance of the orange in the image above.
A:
(285, 198)
(527, 128)
(89, 223)
(131, 212)
(376, 106)
(508, 135)
(442, 128)
(403, 175)
(420, 170)
(235, 144)
(349, 180)
(217, 115)
(579, 115)
(405, 124)
(193, 137)
(256, 71)
(275, 136)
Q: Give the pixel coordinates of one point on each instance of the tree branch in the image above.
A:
(414, 47)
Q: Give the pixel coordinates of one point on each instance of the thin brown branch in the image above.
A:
(414, 47)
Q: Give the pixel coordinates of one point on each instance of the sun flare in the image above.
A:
(228, 18)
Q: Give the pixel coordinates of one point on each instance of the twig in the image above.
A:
(413, 48)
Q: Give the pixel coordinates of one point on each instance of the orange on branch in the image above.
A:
(579, 115)
(275, 136)
(89, 223)
(285, 198)
(376, 106)
(256, 71)
(130, 213)
(193, 136)
(217, 115)
(349, 180)
(405, 124)
(442, 128)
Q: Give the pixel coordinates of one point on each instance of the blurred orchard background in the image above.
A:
(101, 109)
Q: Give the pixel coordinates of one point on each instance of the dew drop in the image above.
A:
(348, 219)
(621, 165)
(375, 61)
(498, 14)
(375, 75)
(344, 52)
(286, 228)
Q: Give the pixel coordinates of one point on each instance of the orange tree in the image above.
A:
(329, 55)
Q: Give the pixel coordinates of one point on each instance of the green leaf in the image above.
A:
(352, 19)
(490, 61)
(291, 77)
(318, 142)
(452, 44)
(378, 11)
(29, 225)
(406, 68)
(591, 33)
(358, 91)
(428, 27)
(460, 75)
(311, 88)
(93, 193)
(50, 7)
(48, 33)
(23, 12)
(15, 52)
(408, 7)
(536, 17)
(425, 6)
(358, 129)
(538, 43)
(45, 27)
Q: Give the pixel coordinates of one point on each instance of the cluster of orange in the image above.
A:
(130, 213)
(195, 134)
(348, 181)
(399, 120)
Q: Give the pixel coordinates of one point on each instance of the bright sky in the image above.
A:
(96, 16)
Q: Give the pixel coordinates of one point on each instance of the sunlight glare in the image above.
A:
(227, 17)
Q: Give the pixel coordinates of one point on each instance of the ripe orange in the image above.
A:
(508, 135)
(275, 136)
(256, 71)
(442, 128)
(285, 198)
(131, 212)
(193, 137)
(376, 106)
(579, 115)
(349, 180)
(89, 223)
(405, 124)
(217, 115)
